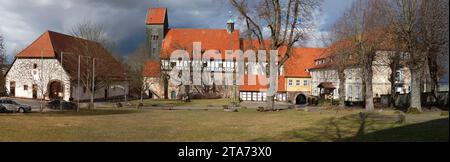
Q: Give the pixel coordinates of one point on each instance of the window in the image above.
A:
(254, 96)
(155, 37)
(297, 82)
(34, 66)
(229, 52)
(305, 82)
(153, 50)
(25, 87)
(290, 82)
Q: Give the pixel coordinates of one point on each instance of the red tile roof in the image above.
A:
(41, 47)
(255, 45)
(326, 85)
(156, 16)
(381, 38)
(210, 39)
(301, 59)
(152, 69)
(52, 44)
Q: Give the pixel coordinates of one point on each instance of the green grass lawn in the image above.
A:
(216, 125)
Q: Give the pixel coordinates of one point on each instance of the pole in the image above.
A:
(125, 89)
(62, 83)
(40, 80)
(93, 83)
(78, 84)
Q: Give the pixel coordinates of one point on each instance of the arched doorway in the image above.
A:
(55, 88)
(300, 100)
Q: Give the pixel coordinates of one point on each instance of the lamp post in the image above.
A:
(93, 83)
(62, 84)
(78, 84)
(125, 89)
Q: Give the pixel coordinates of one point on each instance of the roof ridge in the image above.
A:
(71, 36)
(36, 40)
(197, 29)
(51, 40)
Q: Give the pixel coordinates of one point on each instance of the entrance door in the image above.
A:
(55, 90)
(35, 91)
(12, 89)
(106, 92)
(301, 99)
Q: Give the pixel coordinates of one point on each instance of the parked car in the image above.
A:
(56, 104)
(8, 105)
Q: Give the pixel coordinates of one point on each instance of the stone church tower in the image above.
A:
(157, 25)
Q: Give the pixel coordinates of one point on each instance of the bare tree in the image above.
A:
(97, 70)
(2, 65)
(433, 34)
(405, 17)
(359, 34)
(46, 74)
(135, 69)
(287, 21)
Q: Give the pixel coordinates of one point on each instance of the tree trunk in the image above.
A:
(369, 87)
(91, 106)
(415, 89)
(142, 96)
(270, 103)
(166, 88)
(341, 89)
(393, 86)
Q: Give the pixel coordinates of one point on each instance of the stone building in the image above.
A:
(49, 68)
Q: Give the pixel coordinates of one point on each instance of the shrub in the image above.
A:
(225, 106)
(413, 110)
(119, 105)
(260, 109)
(401, 118)
(139, 106)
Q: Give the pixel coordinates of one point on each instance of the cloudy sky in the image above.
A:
(22, 21)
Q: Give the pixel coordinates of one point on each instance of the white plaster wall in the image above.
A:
(115, 89)
(47, 70)
(353, 83)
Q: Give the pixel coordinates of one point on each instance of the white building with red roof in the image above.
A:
(49, 68)
(163, 41)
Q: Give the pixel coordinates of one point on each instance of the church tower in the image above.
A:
(156, 26)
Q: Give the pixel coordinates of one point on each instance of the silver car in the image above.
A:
(7, 105)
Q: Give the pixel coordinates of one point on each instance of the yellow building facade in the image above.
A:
(298, 85)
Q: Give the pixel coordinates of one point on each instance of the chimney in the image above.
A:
(230, 26)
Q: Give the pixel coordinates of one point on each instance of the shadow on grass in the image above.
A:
(431, 131)
(336, 128)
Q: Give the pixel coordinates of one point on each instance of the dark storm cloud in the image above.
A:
(23, 21)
